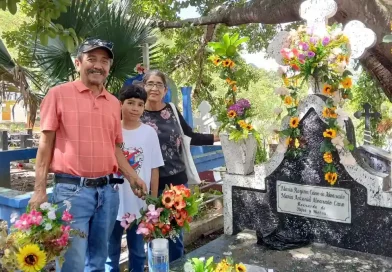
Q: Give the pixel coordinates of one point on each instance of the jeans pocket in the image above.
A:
(114, 187)
(65, 191)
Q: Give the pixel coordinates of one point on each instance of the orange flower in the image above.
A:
(228, 80)
(184, 214)
(331, 178)
(328, 157)
(231, 114)
(327, 89)
(330, 112)
(234, 88)
(288, 100)
(329, 133)
(168, 198)
(184, 191)
(288, 141)
(179, 202)
(341, 58)
(249, 127)
(294, 122)
(347, 83)
(286, 81)
(226, 63)
(217, 61)
(232, 64)
(242, 123)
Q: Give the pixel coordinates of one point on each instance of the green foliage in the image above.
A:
(368, 90)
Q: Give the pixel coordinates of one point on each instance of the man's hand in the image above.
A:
(139, 188)
(37, 199)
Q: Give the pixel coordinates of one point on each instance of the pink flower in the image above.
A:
(142, 229)
(63, 240)
(128, 219)
(153, 214)
(67, 217)
(165, 114)
(36, 217)
(287, 53)
(24, 223)
(65, 228)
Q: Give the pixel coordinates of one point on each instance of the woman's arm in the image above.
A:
(197, 138)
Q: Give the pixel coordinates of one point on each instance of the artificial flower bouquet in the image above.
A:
(166, 215)
(320, 57)
(202, 265)
(36, 238)
(234, 114)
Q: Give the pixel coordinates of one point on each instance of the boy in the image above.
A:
(143, 152)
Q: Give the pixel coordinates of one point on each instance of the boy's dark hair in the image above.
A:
(132, 91)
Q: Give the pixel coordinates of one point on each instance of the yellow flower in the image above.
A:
(228, 80)
(345, 39)
(288, 100)
(217, 61)
(328, 157)
(341, 58)
(242, 124)
(31, 258)
(286, 81)
(231, 114)
(234, 88)
(330, 113)
(296, 143)
(329, 133)
(226, 63)
(331, 178)
(327, 89)
(240, 268)
(294, 122)
(288, 141)
(347, 83)
(232, 64)
(249, 127)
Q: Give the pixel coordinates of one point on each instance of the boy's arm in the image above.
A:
(154, 181)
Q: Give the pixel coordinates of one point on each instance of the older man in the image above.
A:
(80, 142)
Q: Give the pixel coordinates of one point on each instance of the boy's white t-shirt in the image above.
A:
(143, 152)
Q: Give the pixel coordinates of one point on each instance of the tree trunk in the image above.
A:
(375, 14)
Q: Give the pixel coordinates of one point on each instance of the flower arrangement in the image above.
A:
(322, 61)
(36, 238)
(234, 114)
(289, 96)
(225, 265)
(166, 215)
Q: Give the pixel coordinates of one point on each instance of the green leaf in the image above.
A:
(387, 39)
(241, 41)
(220, 51)
(44, 38)
(12, 6)
(234, 38)
(347, 73)
(231, 50)
(216, 45)
(226, 40)
(3, 5)
(209, 261)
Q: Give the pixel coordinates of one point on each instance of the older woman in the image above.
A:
(160, 116)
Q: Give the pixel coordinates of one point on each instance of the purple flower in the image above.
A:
(301, 57)
(326, 41)
(313, 40)
(311, 54)
(304, 46)
(243, 103)
(238, 109)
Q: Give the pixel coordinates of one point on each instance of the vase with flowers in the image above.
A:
(238, 137)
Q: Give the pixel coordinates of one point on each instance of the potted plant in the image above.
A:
(238, 137)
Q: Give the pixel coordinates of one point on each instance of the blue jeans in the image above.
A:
(94, 210)
(176, 249)
(136, 253)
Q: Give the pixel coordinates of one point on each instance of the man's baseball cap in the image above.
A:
(92, 44)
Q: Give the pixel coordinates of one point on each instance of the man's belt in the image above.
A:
(87, 182)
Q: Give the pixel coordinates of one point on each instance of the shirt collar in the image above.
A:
(81, 88)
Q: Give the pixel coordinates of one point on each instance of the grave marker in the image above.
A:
(204, 121)
(368, 115)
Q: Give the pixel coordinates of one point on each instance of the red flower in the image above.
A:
(67, 217)
(168, 198)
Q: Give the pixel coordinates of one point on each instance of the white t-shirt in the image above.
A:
(143, 152)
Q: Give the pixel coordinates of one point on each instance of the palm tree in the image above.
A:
(97, 19)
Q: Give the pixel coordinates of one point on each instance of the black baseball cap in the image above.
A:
(92, 44)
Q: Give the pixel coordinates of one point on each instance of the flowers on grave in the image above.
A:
(225, 265)
(323, 61)
(234, 114)
(294, 143)
(36, 238)
(166, 215)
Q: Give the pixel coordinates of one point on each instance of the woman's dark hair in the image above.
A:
(157, 73)
(132, 91)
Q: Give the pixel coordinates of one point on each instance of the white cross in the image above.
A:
(360, 38)
(316, 13)
(280, 41)
(205, 121)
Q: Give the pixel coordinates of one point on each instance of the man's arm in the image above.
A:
(43, 160)
(138, 186)
(154, 181)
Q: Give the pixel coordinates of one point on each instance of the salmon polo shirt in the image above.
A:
(87, 129)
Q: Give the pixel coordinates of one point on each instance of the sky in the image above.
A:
(259, 59)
